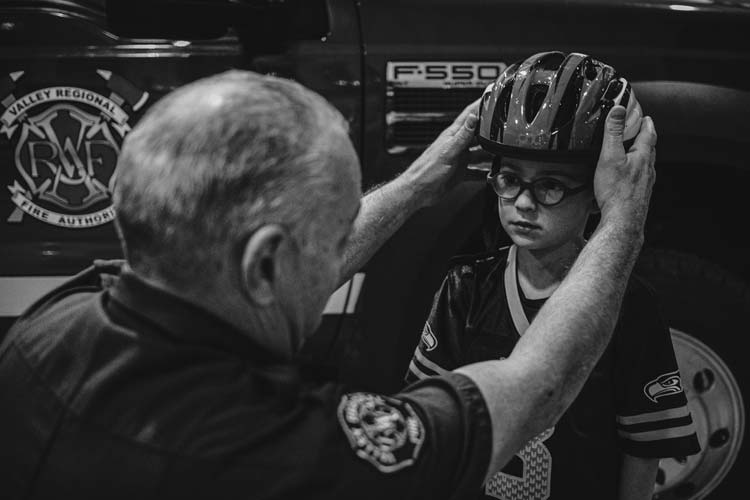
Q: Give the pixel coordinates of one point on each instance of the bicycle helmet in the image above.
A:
(553, 106)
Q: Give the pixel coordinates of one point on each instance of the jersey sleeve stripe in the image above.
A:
(658, 435)
(410, 377)
(641, 418)
(414, 369)
(429, 364)
(656, 425)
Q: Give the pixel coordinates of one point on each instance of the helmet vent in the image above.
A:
(534, 100)
(551, 61)
(566, 112)
(592, 71)
(505, 102)
(501, 112)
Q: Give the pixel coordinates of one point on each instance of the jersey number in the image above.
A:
(534, 484)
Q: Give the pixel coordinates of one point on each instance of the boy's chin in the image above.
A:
(526, 242)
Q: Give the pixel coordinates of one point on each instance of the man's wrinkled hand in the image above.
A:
(443, 162)
(624, 180)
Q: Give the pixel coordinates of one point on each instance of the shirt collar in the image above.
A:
(182, 321)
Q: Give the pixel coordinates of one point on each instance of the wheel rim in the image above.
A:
(718, 411)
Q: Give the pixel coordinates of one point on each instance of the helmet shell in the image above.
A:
(553, 106)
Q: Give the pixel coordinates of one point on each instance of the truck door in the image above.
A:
(75, 77)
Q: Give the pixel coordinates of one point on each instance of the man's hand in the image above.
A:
(385, 209)
(623, 181)
(435, 171)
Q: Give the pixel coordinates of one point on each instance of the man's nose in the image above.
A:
(525, 200)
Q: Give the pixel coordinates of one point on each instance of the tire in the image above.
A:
(706, 308)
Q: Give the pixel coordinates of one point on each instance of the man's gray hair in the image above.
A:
(215, 159)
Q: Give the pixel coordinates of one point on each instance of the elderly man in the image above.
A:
(238, 205)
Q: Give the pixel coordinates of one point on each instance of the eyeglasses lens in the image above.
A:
(507, 186)
(548, 191)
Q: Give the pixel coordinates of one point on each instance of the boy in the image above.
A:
(543, 120)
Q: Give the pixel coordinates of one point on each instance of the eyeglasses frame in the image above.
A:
(523, 186)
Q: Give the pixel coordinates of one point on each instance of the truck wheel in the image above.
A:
(706, 309)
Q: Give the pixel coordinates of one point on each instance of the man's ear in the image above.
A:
(263, 259)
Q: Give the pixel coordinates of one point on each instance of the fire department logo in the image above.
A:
(65, 143)
(381, 430)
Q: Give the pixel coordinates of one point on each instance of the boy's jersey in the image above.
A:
(633, 401)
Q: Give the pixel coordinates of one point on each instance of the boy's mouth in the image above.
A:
(525, 225)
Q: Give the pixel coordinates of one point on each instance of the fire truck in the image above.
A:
(76, 76)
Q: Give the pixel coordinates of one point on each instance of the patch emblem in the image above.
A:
(429, 339)
(65, 141)
(663, 385)
(382, 430)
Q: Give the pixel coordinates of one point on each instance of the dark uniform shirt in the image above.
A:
(129, 392)
(632, 403)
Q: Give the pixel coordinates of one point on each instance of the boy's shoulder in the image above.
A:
(466, 266)
(640, 291)
(640, 313)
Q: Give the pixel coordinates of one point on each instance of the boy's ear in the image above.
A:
(263, 262)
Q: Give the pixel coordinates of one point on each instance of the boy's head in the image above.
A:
(542, 204)
(543, 118)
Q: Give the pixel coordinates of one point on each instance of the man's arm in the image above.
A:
(529, 391)
(386, 208)
(637, 477)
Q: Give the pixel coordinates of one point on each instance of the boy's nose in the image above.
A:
(525, 201)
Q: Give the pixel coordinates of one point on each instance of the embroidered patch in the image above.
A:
(429, 339)
(384, 431)
(663, 385)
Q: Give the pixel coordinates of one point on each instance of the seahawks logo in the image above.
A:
(428, 338)
(663, 385)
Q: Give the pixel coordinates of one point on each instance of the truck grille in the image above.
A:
(416, 116)
(415, 134)
(425, 100)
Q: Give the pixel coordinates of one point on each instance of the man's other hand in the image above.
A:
(623, 181)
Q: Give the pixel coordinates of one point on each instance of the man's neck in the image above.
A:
(258, 324)
(541, 271)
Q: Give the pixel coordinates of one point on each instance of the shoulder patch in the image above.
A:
(383, 431)
(663, 385)
(428, 338)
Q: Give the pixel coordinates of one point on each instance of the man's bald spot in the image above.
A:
(259, 94)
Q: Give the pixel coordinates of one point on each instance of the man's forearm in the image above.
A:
(530, 390)
(383, 211)
(575, 325)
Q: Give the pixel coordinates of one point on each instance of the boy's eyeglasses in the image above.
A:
(545, 191)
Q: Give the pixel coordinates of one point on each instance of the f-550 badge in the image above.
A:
(65, 143)
(441, 74)
(663, 385)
